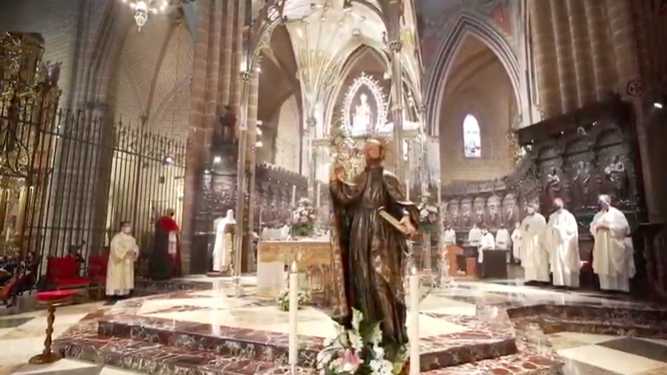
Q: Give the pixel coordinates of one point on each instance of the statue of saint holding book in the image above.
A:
(373, 221)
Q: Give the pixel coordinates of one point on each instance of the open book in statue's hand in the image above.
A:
(406, 229)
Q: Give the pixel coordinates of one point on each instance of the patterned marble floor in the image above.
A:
(558, 351)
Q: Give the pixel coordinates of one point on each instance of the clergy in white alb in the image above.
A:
(449, 237)
(222, 247)
(474, 236)
(516, 242)
(487, 242)
(535, 259)
(562, 243)
(613, 253)
(120, 267)
(503, 242)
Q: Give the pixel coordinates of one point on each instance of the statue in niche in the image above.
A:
(466, 213)
(617, 177)
(493, 218)
(510, 210)
(552, 189)
(479, 207)
(452, 217)
(582, 180)
(362, 116)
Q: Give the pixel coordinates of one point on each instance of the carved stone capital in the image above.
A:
(245, 76)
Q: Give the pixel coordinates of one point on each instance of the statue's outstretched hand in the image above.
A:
(410, 230)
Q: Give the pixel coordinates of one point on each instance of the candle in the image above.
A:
(293, 195)
(413, 281)
(407, 188)
(293, 307)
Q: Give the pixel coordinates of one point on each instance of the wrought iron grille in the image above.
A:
(68, 178)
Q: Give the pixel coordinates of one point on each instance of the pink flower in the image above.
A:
(351, 361)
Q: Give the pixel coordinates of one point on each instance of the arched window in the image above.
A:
(472, 140)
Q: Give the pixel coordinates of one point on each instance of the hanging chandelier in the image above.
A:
(143, 8)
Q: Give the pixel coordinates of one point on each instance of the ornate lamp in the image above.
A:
(143, 8)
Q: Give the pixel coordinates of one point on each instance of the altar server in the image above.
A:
(474, 236)
(562, 242)
(487, 242)
(449, 237)
(120, 269)
(613, 253)
(516, 242)
(535, 260)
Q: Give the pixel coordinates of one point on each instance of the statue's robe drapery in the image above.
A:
(165, 260)
(535, 259)
(613, 253)
(369, 254)
(562, 242)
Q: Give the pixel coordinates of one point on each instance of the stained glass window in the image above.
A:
(472, 140)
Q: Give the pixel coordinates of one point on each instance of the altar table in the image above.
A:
(313, 260)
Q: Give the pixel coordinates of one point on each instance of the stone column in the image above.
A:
(242, 186)
(581, 52)
(227, 52)
(600, 48)
(311, 124)
(626, 53)
(251, 149)
(564, 59)
(397, 104)
(545, 56)
(195, 152)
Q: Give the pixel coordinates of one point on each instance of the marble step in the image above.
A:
(437, 351)
(228, 341)
(153, 358)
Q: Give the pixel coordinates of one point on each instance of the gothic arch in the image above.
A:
(467, 25)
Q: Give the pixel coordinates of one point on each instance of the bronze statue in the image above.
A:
(369, 253)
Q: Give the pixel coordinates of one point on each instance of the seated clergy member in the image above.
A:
(120, 268)
(613, 254)
(487, 242)
(562, 242)
(534, 258)
(474, 236)
(449, 237)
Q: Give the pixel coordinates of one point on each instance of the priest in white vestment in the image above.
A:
(516, 242)
(562, 242)
(487, 242)
(449, 237)
(120, 268)
(503, 241)
(474, 236)
(534, 257)
(222, 247)
(613, 253)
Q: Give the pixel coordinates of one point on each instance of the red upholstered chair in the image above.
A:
(63, 273)
(53, 299)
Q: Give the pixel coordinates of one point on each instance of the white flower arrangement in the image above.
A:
(303, 298)
(303, 218)
(358, 351)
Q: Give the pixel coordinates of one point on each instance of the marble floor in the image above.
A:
(526, 330)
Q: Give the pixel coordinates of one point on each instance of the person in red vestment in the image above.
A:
(165, 260)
